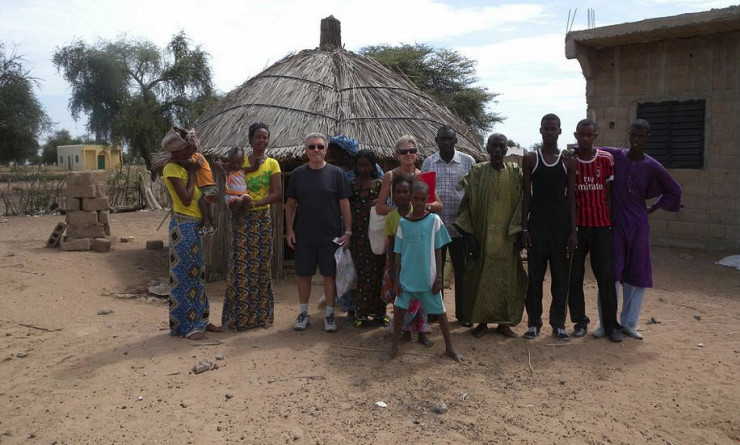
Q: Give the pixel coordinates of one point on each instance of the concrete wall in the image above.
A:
(694, 68)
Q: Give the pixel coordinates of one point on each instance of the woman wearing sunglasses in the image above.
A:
(406, 153)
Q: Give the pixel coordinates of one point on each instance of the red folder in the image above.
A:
(431, 179)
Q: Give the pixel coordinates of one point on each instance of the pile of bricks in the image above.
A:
(88, 213)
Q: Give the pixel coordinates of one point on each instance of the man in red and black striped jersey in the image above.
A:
(594, 173)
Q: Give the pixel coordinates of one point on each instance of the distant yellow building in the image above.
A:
(88, 157)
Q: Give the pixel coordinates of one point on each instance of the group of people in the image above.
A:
(558, 205)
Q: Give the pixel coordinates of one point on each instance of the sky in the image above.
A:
(519, 47)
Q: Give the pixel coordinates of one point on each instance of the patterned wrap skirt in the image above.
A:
(188, 301)
(248, 302)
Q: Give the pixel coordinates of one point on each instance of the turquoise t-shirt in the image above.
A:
(416, 242)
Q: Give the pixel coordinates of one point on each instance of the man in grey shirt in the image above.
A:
(450, 166)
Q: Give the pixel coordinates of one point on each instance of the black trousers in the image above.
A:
(548, 246)
(597, 241)
(459, 256)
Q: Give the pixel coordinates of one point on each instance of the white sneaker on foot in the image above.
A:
(329, 324)
(599, 332)
(631, 332)
(301, 322)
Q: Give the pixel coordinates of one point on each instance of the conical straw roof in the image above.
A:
(331, 91)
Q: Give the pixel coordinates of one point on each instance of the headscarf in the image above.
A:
(349, 145)
(179, 138)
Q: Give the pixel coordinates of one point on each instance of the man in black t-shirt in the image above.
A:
(316, 209)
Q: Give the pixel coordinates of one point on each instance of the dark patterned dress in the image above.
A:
(368, 298)
(249, 301)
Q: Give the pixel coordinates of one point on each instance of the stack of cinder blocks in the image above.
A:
(87, 212)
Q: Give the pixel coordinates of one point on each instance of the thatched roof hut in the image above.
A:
(332, 91)
(328, 90)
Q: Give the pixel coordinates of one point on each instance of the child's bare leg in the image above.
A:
(398, 315)
(209, 212)
(445, 328)
(203, 207)
(424, 339)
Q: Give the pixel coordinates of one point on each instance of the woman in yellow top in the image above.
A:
(189, 308)
(248, 301)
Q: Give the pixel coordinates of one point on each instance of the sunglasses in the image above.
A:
(315, 147)
(407, 151)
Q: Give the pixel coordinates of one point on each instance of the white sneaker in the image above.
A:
(599, 332)
(631, 332)
(301, 322)
(329, 324)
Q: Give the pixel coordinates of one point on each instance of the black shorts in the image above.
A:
(308, 256)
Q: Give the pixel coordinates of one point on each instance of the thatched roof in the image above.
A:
(331, 91)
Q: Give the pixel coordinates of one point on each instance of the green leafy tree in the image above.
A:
(22, 117)
(132, 91)
(445, 75)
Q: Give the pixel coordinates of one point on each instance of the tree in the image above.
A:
(133, 91)
(445, 75)
(22, 117)
(60, 137)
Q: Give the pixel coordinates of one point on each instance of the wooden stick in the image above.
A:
(38, 327)
(310, 377)
(529, 356)
(164, 219)
(380, 350)
(65, 359)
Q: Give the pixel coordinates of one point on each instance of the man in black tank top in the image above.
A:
(548, 214)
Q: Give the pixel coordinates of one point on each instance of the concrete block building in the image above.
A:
(88, 157)
(679, 73)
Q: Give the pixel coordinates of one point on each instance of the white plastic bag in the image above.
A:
(376, 232)
(730, 261)
(346, 277)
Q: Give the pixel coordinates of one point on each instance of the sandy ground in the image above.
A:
(120, 378)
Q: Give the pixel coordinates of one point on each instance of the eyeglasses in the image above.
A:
(407, 151)
(315, 147)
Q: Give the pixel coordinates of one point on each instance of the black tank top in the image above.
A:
(549, 203)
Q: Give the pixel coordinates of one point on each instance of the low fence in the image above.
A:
(33, 190)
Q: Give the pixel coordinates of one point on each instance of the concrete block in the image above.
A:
(74, 204)
(101, 190)
(75, 244)
(95, 204)
(56, 235)
(82, 218)
(100, 245)
(106, 229)
(89, 231)
(103, 216)
(81, 191)
(154, 244)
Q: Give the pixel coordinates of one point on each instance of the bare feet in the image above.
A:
(197, 336)
(424, 340)
(454, 355)
(406, 337)
(210, 327)
(505, 331)
(480, 330)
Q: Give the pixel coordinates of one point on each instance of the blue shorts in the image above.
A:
(431, 303)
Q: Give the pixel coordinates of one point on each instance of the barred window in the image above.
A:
(676, 132)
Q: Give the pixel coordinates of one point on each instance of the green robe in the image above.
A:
(495, 285)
